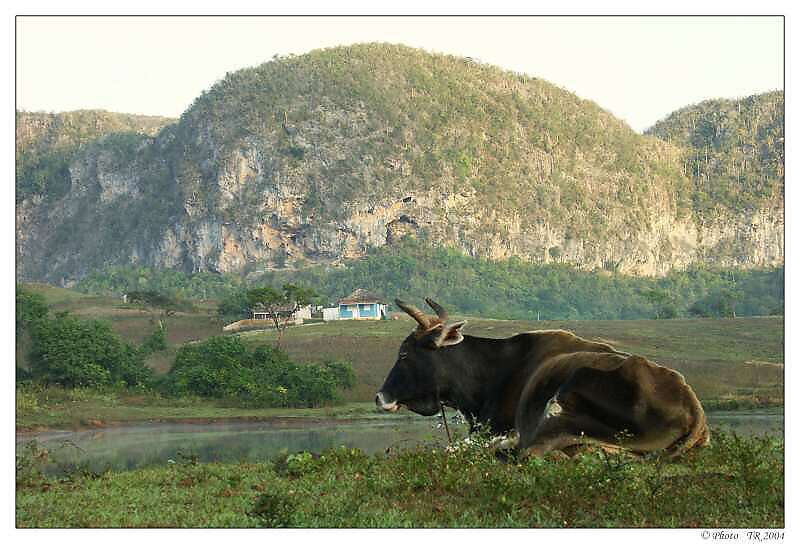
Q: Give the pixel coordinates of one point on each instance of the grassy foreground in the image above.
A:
(733, 483)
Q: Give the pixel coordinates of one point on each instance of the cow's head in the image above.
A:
(416, 379)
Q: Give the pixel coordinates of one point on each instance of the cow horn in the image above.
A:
(441, 312)
(416, 313)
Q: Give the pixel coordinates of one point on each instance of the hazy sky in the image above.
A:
(640, 69)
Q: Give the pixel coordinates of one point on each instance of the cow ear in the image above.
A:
(450, 335)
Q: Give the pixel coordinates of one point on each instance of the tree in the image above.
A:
(280, 306)
(726, 299)
(663, 300)
(30, 310)
(555, 253)
(234, 305)
(155, 302)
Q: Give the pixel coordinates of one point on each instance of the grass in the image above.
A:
(733, 483)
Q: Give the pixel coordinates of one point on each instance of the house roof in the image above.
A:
(360, 296)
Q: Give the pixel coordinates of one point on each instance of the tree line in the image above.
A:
(510, 289)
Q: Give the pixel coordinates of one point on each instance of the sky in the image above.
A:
(638, 68)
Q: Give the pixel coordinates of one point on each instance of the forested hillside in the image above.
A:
(510, 289)
(47, 143)
(314, 159)
(734, 151)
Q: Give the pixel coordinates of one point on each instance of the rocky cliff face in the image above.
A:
(314, 177)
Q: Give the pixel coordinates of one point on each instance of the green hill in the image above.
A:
(316, 158)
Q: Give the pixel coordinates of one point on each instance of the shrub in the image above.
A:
(207, 368)
(222, 367)
(75, 352)
(342, 372)
(235, 305)
(30, 308)
(157, 341)
(274, 509)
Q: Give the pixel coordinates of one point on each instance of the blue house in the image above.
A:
(361, 305)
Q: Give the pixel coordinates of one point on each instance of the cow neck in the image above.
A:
(473, 368)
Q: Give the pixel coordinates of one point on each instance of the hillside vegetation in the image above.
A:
(510, 289)
(47, 143)
(364, 120)
(733, 151)
(316, 158)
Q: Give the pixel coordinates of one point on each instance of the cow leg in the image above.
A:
(567, 433)
(592, 406)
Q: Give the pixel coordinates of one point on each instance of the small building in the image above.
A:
(297, 317)
(361, 305)
(330, 314)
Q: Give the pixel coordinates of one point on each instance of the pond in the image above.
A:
(767, 421)
(139, 445)
(148, 444)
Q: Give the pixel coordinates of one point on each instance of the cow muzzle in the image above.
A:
(382, 402)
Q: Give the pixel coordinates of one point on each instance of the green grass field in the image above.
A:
(733, 483)
(132, 323)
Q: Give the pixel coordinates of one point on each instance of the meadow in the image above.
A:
(733, 483)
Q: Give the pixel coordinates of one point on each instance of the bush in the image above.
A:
(74, 352)
(222, 367)
(235, 305)
(342, 372)
(30, 308)
(208, 369)
(274, 509)
(157, 341)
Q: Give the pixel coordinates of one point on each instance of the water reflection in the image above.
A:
(748, 422)
(155, 444)
(144, 445)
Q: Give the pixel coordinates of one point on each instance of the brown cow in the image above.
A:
(551, 390)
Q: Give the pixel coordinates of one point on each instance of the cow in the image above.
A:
(546, 390)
